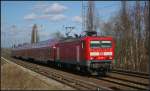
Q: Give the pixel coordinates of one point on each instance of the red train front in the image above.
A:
(90, 54)
(100, 54)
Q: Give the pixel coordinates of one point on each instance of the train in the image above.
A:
(90, 54)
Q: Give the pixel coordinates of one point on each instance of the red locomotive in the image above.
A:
(91, 54)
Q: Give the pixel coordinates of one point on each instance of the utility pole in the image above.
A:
(90, 16)
(90, 21)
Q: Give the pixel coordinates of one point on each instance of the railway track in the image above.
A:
(132, 73)
(129, 78)
(111, 82)
(127, 83)
(135, 81)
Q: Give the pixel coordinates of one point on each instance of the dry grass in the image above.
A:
(13, 78)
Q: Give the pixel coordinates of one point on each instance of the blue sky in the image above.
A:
(18, 17)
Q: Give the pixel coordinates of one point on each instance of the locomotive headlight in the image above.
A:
(94, 53)
(92, 58)
(107, 53)
(110, 57)
(54, 47)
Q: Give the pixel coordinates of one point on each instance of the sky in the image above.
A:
(18, 17)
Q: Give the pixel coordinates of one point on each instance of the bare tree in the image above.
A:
(130, 29)
(147, 33)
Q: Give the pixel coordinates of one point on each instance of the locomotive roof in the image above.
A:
(97, 37)
(83, 38)
(68, 40)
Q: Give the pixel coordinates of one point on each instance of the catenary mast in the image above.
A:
(90, 19)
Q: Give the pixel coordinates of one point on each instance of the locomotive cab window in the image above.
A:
(100, 44)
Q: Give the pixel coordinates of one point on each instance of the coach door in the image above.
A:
(57, 54)
(78, 53)
(54, 53)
